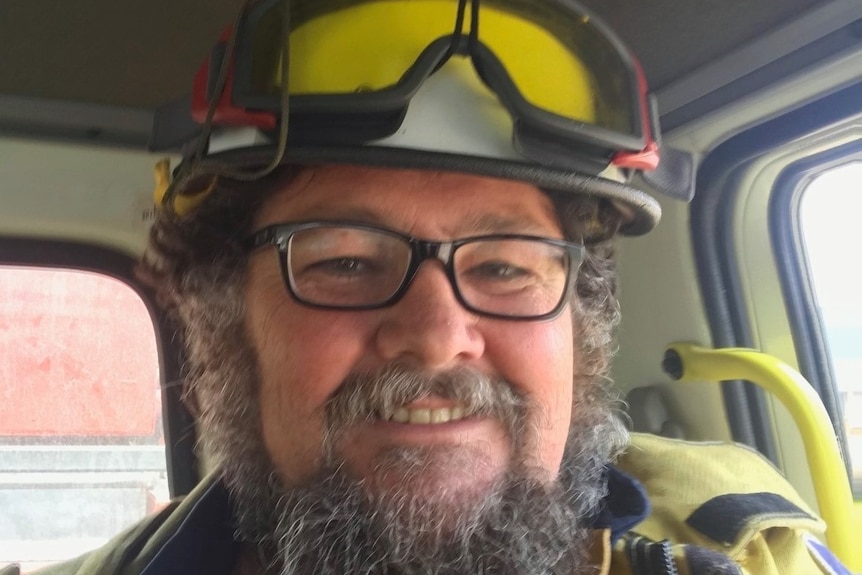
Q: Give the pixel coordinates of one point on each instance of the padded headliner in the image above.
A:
(141, 54)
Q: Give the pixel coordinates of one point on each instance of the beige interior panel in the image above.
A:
(94, 195)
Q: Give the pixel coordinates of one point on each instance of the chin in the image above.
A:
(448, 476)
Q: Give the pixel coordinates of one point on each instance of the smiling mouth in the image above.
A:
(425, 416)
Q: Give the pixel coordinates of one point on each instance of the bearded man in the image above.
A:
(428, 431)
(397, 307)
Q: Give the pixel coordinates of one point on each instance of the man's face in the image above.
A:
(305, 354)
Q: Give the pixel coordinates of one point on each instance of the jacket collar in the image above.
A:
(204, 543)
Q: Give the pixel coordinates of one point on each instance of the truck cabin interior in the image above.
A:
(765, 96)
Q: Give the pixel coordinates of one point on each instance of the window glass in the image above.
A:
(81, 449)
(829, 217)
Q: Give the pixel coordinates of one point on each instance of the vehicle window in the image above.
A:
(829, 221)
(81, 449)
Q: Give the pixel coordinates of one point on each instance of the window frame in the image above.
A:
(807, 329)
(179, 428)
(713, 232)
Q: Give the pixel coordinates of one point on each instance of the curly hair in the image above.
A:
(196, 267)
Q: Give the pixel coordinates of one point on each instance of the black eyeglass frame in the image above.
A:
(279, 235)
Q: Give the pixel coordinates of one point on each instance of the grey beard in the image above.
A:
(520, 526)
(333, 524)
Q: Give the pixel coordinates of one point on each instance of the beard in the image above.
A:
(334, 523)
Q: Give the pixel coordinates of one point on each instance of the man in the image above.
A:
(419, 421)
(398, 324)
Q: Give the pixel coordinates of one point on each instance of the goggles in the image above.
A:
(545, 94)
(575, 95)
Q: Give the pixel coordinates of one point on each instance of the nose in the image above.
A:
(428, 326)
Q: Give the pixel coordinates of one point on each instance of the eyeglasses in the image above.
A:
(337, 265)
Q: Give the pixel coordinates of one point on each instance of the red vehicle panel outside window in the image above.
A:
(82, 455)
(77, 362)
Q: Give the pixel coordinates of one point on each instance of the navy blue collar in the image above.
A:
(204, 543)
(625, 505)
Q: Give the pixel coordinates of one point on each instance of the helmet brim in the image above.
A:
(641, 212)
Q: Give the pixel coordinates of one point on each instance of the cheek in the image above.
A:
(540, 362)
(303, 356)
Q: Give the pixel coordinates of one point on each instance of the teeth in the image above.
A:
(420, 416)
(424, 416)
(439, 415)
(401, 415)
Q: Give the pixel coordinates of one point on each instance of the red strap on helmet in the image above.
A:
(648, 158)
(226, 114)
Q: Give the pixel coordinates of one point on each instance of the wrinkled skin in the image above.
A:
(306, 354)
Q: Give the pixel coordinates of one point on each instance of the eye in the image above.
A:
(498, 270)
(343, 266)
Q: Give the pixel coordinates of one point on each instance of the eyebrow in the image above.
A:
(472, 223)
(496, 223)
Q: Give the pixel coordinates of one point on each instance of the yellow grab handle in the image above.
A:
(687, 363)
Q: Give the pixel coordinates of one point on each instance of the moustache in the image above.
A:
(366, 397)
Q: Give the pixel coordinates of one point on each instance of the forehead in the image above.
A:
(412, 201)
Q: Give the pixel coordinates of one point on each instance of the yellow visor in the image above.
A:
(540, 56)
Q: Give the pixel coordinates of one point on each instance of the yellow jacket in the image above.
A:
(719, 508)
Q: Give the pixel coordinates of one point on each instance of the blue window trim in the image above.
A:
(807, 329)
(714, 245)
